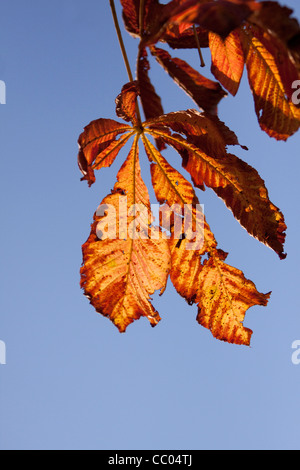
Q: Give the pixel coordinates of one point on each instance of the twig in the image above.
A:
(124, 54)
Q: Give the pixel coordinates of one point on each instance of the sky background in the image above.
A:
(71, 380)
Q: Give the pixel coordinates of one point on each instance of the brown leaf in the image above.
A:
(150, 17)
(277, 20)
(150, 100)
(206, 93)
(220, 17)
(126, 106)
(177, 39)
(120, 273)
(131, 14)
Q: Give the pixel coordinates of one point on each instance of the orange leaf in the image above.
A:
(169, 185)
(227, 60)
(120, 273)
(224, 297)
(201, 129)
(277, 115)
(236, 182)
(222, 293)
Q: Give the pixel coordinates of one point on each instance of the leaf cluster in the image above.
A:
(120, 274)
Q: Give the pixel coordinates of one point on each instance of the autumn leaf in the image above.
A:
(222, 292)
(271, 74)
(277, 115)
(278, 21)
(205, 157)
(120, 274)
(127, 258)
(227, 60)
(263, 36)
(132, 15)
(226, 295)
(220, 17)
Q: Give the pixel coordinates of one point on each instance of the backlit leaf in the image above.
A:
(277, 115)
(222, 293)
(225, 296)
(236, 182)
(119, 274)
(227, 60)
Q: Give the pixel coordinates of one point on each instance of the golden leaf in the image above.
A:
(277, 114)
(119, 274)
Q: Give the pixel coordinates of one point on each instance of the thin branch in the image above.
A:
(124, 54)
(121, 42)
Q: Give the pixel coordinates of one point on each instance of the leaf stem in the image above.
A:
(141, 18)
(124, 53)
(121, 42)
(202, 63)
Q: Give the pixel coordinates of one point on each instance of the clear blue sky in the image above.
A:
(71, 380)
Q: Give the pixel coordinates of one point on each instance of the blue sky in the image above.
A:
(71, 381)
